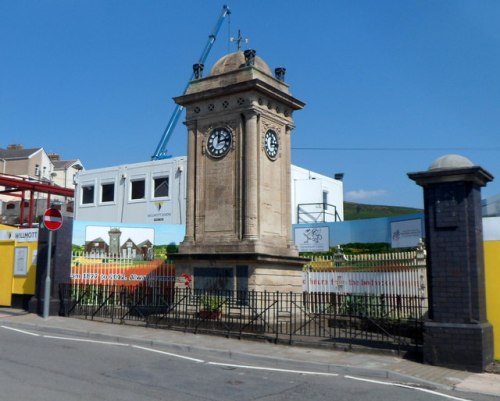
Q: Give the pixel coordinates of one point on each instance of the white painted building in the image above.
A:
(316, 198)
(154, 192)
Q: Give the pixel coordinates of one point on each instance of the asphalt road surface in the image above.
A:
(39, 367)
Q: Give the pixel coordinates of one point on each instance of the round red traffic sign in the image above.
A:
(52, 219)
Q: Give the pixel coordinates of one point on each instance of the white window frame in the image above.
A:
(156, 176)
(137, 178)
(82, 186)
(107, 182)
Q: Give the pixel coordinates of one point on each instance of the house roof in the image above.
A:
(125, 243)
(9, 154)
(146, 243)
(64, 164)
(98, 239)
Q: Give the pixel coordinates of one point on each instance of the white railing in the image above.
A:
(395, 273)
(396, 260)
(405, 282)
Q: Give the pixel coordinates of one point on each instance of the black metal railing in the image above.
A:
(340, 320)
(317, 213)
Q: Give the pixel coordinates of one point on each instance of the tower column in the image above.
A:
(191, 174)
(250, 171)
(287, 227)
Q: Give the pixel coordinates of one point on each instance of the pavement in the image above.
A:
(366, 364)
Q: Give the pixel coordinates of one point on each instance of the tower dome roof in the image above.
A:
(450, 162)
(234, 61)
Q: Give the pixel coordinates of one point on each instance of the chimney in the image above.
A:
(54, 156)
(15, 146)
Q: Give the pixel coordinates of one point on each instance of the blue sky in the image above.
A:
(389, 85)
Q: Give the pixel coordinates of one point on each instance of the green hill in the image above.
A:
(357, 211)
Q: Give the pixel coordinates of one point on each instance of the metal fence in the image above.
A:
(375, 300)
(329, 319)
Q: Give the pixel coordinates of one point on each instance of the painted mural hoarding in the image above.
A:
(111, 254)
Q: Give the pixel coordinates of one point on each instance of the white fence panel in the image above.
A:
(404, 283)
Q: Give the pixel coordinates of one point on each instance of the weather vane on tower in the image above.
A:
(239, 39)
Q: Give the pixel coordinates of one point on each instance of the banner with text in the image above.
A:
(408, 282)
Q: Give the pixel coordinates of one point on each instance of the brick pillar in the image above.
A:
(60, 268)
(456, 334)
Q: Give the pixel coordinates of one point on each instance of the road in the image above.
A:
(37, 367)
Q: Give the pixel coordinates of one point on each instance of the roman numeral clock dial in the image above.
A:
(219, 142)
(271, 144)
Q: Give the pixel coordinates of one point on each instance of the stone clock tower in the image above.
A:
(238, 215)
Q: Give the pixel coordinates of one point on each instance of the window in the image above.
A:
(87, 194)
(160, 187)
(325, 200)
(108, 192)
(137, 189)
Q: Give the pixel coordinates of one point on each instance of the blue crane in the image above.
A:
(161, 150)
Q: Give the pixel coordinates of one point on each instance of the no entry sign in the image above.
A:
(52, 219)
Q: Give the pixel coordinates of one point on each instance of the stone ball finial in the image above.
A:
(452, 168)
(450, 162)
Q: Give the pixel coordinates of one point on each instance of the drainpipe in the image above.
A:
(32, 204)
(21, 211)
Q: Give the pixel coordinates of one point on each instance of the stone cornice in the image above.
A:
(256, 85)
(475, 174)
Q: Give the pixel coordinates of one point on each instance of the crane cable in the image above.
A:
(228, 33)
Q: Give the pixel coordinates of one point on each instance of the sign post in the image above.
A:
(52, 220)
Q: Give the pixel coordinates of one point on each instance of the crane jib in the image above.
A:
(161, 149)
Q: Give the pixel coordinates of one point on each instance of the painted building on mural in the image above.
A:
(154, 192)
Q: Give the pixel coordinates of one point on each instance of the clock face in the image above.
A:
(219, 142)
(271, 144)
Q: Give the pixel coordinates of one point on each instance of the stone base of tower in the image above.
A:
(458, 346)
(241, 272)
